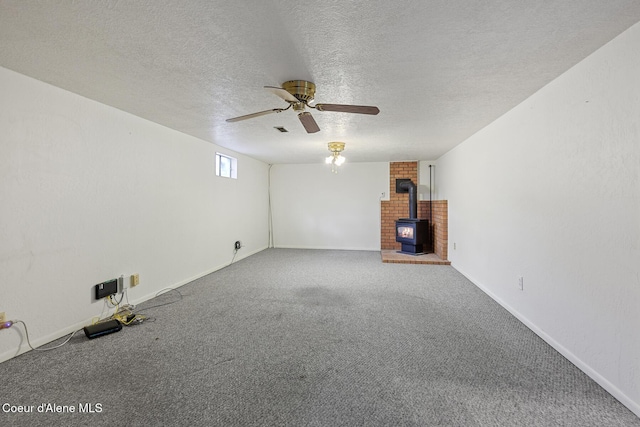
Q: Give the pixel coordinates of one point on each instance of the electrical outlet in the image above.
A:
(3, 317)
(237, 245)
(521, 283)
(135, 280)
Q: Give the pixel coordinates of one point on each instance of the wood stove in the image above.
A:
(412, 233)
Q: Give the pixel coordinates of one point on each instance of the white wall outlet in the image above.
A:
(454, 246)
(3, 317)
(135, 280)
(383, 195)
(521, 283)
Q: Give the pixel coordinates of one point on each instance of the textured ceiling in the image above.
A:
(439, 70)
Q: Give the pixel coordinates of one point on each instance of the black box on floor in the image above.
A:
(100, 329)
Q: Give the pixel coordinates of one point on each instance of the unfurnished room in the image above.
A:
(336, 213)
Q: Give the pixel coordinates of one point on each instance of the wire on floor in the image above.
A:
(235, 251)
(26, 330)
(124, 314)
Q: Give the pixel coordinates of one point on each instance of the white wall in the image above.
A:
(314, 208)
(551, 192)
(90, 193)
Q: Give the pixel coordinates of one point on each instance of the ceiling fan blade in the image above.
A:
(308, 122)
(361, 109)
(250, 116)
(278, 91)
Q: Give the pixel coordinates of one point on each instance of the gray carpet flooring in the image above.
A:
(313, 338)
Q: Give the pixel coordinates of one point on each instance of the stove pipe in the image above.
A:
(413, 199)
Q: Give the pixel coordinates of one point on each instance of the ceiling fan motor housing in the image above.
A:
(301, 89)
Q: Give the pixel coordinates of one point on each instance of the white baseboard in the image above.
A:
(584, 367)
(326, 248)
(24, 346)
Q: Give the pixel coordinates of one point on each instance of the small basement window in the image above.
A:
(226, 166)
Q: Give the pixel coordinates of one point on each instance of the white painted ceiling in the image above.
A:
(439, 70)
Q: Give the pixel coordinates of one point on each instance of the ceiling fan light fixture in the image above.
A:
(335, 159)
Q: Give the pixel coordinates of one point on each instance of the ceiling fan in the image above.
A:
(299, 93)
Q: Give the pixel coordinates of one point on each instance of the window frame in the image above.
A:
(233, 166)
